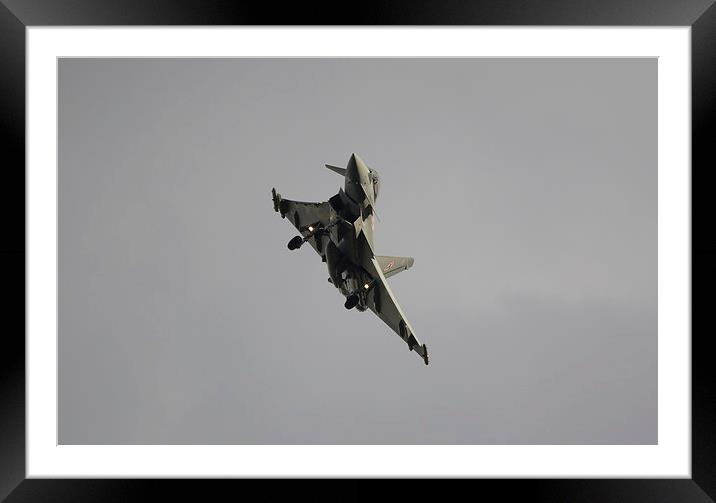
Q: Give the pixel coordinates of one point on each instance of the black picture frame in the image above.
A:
(16, 15)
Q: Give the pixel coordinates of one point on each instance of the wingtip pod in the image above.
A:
(425, 354)
(277, 203)
(276, 199)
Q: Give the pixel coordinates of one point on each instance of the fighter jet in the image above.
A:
(341, 231)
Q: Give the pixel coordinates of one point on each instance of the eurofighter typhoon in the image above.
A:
(341, 232)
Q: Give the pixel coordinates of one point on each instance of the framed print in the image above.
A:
(537, 179)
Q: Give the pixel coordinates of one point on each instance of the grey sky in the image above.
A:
(526, 190)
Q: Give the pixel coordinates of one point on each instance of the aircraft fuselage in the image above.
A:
(341, 232)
